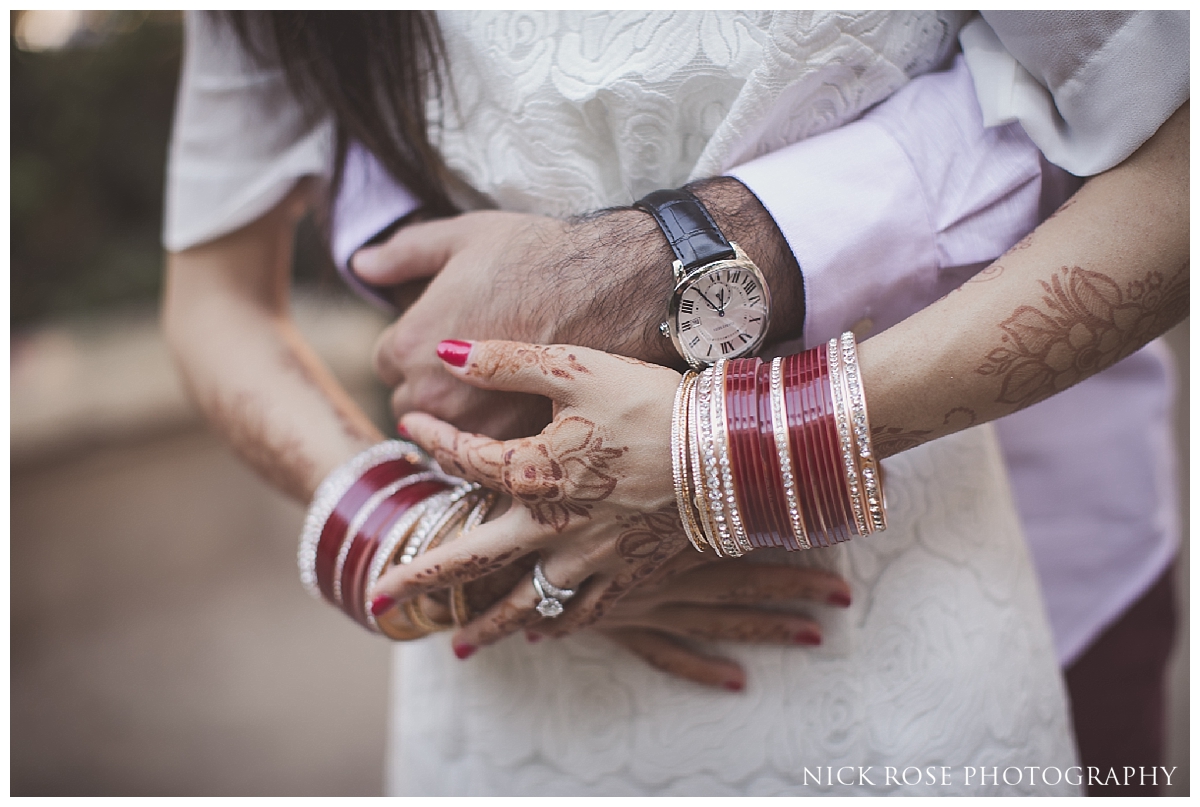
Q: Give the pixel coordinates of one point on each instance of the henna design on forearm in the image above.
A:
(960, 417)
(889, 440)
(1085, 324)
(351, 427)
(277, 457)
(993, 271)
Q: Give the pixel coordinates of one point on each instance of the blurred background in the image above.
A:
(160, 641)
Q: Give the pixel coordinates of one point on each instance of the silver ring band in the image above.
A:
(552, 597)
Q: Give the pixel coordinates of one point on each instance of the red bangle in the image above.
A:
(814, 520)
(827, 430)
(772, 478)
(810, 392)
(334, 531)
(366, 542)
(745, 485)
(768, 533)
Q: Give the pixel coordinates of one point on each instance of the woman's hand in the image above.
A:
(693, 598)
(598, 502)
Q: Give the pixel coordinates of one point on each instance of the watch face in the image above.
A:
(721, 312)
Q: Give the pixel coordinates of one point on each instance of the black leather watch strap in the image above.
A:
(690, 230)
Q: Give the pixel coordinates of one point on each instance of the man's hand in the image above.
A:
(602, 280)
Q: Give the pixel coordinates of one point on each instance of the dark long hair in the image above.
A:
(373, 71)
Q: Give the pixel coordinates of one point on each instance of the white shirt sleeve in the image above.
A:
(1089, 87)
(240, 140)
(889, 213)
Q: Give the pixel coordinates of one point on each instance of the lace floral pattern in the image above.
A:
(944, 658)
(565, 112)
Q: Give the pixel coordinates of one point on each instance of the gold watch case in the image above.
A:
(721, 310)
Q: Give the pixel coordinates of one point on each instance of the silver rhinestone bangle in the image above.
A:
(712, 455)
(841, 414)
(364, 512)
(862, 435)
(399, 531)
(330, 492)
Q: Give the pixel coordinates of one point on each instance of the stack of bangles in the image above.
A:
(776, 455)
(386, 506)
(764, 455)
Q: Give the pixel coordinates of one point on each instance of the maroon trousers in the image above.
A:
(1118, 693)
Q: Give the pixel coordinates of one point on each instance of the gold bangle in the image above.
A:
(679, 461)
(712, 471)
(416, 615)
(387, 555)
(460, 614)
(699, 492)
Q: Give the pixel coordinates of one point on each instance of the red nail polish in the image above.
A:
(807, 637)
(839, 598)
(381, 604)
(403, 432)
(454, 352)
(464, 651)
(734, 686)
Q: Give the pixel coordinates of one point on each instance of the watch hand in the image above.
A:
(710, 302)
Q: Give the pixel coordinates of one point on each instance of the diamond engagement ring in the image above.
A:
(552, 596)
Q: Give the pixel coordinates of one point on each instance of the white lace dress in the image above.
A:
(941, 675)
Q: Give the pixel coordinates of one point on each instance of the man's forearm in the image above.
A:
(623, 307)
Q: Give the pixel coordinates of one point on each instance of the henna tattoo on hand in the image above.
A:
(559, 475)
(472, 568)
(550, 360)
(1086, 323)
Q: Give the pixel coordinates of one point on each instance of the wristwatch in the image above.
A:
(721, 306)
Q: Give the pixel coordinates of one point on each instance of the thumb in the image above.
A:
(415, 252)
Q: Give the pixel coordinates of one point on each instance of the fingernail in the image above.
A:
(533, 638)
(454, 352)
(381, 604)
(464, 651)
(839, 598)
(734, 686)
(403, 432)
(807, 637)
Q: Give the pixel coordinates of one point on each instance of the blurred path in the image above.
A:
(161, 641)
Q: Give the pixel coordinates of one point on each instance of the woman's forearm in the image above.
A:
(246, 365)
(1102, 277)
